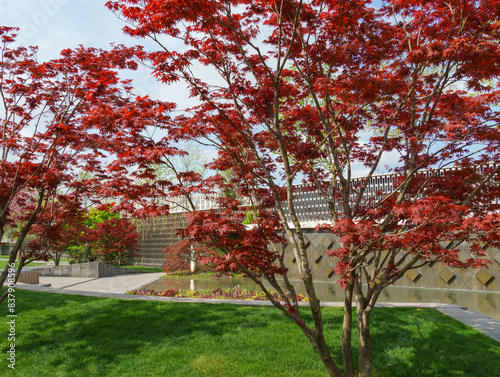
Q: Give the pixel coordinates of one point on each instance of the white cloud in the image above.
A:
(54, 25)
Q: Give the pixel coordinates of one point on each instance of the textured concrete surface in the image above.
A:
(479, 321)
(83, 270)
(109, 284)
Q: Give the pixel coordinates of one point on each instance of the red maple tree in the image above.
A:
(306, 92)
(68, 126)
(108, 238)
(58, 227)
(113, 240)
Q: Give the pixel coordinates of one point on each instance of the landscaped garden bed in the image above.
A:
(236, 293)
(200, 275)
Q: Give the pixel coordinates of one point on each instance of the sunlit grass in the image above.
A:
(3, 263)
(64, 335)
(145, 269)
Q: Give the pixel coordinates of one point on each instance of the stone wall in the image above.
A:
(156, 234)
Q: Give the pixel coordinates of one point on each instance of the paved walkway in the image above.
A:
(117, 286)
(110, 284)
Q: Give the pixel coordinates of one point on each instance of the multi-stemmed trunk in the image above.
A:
(320, 345)
(364, 366)
(365, 348)
(364, 306)
(347, 333)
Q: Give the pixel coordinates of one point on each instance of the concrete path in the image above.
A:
(110, 284)
(480, 322)
(117, 286)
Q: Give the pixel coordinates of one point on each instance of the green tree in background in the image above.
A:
(105, 237)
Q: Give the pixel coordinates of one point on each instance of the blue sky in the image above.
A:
(57, 24)
(54, 25)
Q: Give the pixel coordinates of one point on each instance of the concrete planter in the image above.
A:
(86, 270)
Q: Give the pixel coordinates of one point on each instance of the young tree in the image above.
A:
(63, 116)
(57, 228)
(93, 235)
(113, 240)
(182, 256)
(346, 83)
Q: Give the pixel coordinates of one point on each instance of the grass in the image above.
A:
(64, 335)
(4, 258)
(3, 263)
(7, 257)
(145, 269)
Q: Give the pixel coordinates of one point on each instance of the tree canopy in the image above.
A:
(302, 92)
(60, 118)
(306, 92)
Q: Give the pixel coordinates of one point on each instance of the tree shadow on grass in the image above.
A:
(425, 342)
(83, 336)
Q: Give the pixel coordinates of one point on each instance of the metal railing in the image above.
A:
(311, 205)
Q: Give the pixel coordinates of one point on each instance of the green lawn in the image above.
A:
(145, 269)
(3, 263)
(4, 258)
(63, 335)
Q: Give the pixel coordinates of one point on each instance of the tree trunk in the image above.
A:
(347, 333)
(18, 273)
(19, 268)
(319, 344)
(20, 239)
(365, 347)
(12, 259)
(331, 367)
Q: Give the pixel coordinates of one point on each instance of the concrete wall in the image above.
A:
(86, 270)
(158, 233)
(430, 276)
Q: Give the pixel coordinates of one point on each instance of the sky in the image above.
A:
(57, 24)
(54, 25)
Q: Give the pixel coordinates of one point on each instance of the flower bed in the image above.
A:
(236, 293)
(200, 275)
